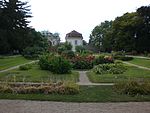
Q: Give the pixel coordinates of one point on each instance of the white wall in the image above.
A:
(72, 41)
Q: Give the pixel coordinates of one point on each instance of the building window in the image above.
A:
(76, 42)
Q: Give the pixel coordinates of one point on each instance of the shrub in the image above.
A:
(25, 67)
(80, 49)
(133, 88)
(33, 52)
(83, 62)
(55, 64)
(123, 58)
(116, 68)
(60, 65)
(68, 54)
(103, 59)
(45, 61)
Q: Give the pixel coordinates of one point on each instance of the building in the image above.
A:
(75, 39)
(53, 39)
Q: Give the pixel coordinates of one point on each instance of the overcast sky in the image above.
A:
(63, 16)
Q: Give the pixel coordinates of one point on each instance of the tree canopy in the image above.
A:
(129, 32)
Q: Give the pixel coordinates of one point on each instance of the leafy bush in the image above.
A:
(123, 58)
(68, 88)
(25, 67)
(80, 49)
(45, 61)
(103, 59)
(68, 54)
(55, 64)
(60, 65)
(133, 88)
(116, 68)
(33, 52)
(83, 62)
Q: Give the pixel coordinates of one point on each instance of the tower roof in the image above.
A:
(74, 34)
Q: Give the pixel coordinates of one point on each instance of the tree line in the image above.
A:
(15, 32)
(129, 32)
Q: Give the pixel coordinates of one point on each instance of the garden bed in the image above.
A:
(86, 94)
(35, 74)
(132, 73)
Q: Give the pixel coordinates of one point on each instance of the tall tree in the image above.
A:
(99, 33)
(14, 24)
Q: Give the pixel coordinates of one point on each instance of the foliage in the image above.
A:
(117, 68)
(33, 52)
(64, 47)
(99, 33)
(68, 88)
(123, 58)
(103, 59)
(68, 54)
(25, 67)
(80, 49)
(60, 65)
(83, 62)
(13, 25)
(55, 64)
(133, 88)
(44, 61)
(128, 32)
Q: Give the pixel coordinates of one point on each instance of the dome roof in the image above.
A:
(74, 34)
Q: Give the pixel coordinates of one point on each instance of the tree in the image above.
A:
(14, 25)
(143, 31)
(124, 29)
(99, 33)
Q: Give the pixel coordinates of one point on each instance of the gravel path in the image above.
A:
(15, 67)
(136, 65)
(83, 80)
(138, 57)
(22, 106)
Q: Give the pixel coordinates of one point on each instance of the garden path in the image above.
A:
(83, 80)
(15, 67)
(138, 56)
(23, 106)
(142, 67)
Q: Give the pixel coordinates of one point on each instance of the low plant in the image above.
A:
(83, 62)
(69, 88)
(116, 68)
(25, 67)
(133, 88)
(123, 58)
(103, 59)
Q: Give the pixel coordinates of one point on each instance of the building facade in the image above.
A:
(75, 39)
(53, 39)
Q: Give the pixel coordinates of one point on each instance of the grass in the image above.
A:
(141, 62)
(7, 62)
(87, 94)
(132, 73)
(36, 75)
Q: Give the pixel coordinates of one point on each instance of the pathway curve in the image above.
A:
(15, 67)
(142, 67)
(23, 106)
(83, 80)
(138, 57)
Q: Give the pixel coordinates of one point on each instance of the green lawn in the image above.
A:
(133, 73)
(141, 62)
(87, 94)
(7, 62)
(36, 75)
